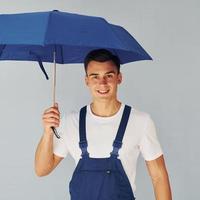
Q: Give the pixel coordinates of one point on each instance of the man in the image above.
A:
(102, 121)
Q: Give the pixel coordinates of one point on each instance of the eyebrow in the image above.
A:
(109, 72)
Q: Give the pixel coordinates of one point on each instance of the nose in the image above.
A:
(102, 80)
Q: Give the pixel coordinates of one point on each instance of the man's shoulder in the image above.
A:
(139, 114)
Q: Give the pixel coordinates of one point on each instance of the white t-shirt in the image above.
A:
(140, 136)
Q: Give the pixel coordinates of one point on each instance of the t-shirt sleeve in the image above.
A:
(60, 145)
(149, 145)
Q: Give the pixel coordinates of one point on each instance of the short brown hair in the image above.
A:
(101, 55)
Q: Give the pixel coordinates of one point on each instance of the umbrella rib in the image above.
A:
(121, 42)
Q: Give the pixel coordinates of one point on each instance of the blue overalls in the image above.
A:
(100, 178)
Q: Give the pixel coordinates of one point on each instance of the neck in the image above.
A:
(106, 108)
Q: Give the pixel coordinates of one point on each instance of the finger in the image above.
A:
(55, 109)
(51, 120)
(56, 105)
(52, 124)
(52, 109)
(51, 115)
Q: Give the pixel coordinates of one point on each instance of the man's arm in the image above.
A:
(45, 160)
(159, 176)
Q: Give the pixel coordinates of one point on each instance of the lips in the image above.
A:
(102, 91)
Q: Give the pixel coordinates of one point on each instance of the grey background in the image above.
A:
(167, 88)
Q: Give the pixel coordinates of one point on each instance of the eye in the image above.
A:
(95, 77)
(110, 75)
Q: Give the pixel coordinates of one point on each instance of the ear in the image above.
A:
(119, 78)
(86, 80)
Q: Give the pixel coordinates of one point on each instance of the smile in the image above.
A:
(102, 91)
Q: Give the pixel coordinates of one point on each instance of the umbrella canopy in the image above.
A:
(61, 37)
(35, 36)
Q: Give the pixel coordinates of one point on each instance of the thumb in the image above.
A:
(56, 104)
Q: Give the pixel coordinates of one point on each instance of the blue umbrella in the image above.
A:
(61, 37)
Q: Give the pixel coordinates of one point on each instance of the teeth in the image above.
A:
(103, 91)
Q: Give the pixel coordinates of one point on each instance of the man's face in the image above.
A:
(102, 79)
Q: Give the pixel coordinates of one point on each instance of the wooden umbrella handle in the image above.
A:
(54, 90)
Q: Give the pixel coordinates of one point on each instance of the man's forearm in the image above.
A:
(162, 188)
(44, 155)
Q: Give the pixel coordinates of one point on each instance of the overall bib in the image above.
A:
(101, 178)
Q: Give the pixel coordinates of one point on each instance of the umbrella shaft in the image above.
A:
(54, 90)
(54, 78)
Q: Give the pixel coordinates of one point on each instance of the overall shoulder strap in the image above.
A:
(82, 131)
(121, 130)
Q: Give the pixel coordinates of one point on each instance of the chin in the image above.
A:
(103, 97)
